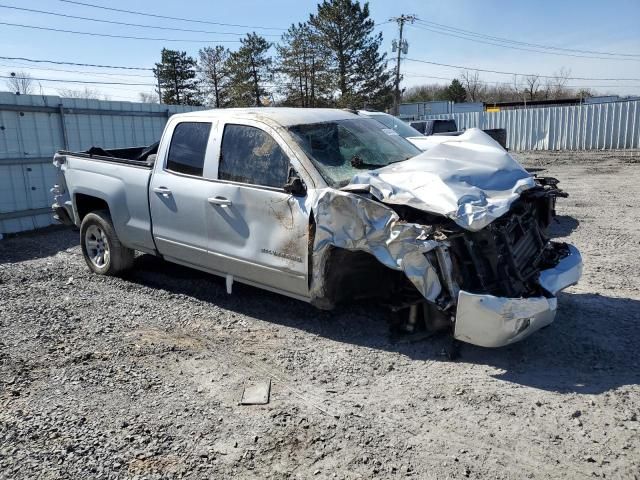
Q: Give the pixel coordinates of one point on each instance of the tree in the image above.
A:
(86, 93)
(473, 85)
(345, 33)
(306, 81)
(20, 83)
(176, 74)
(249, 69)
(556, 87)
(214, 77)
(425, 93)
(148, 97)
(456, 92)
(531, 87)
(585, 92)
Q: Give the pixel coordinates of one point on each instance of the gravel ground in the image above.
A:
(140, 377)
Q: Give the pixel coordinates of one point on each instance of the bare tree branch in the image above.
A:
(473, 85)
(20, 83)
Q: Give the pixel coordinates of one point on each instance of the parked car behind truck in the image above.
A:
(425, 134)
(325, 206)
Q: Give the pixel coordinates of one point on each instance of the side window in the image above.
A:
(250, 155)
(188, 147)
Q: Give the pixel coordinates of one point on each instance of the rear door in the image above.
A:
(178, 194)
(258, 232)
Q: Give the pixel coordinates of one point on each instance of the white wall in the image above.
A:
(613, 125)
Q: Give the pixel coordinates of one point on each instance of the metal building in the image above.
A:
(421, 110)
(33, 127)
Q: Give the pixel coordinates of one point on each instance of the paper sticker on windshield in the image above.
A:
(389, 131)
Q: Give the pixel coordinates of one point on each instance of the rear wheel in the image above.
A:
(101, 248)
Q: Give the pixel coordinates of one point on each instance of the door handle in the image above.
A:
(162, 191)
(223, 202)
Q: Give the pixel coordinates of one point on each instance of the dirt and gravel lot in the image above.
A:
(140, 377)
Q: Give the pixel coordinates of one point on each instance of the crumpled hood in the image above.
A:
(469, 178)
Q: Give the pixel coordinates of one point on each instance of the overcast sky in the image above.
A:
(582, 28)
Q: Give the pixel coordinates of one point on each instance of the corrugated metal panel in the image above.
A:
(467, 107)
(613, 125)
(32, 129)
(418, 110)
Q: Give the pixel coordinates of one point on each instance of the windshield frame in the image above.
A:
(362, 134)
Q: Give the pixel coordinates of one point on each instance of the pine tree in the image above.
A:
(249, 69)
(346, 33)
(456, 92)
(176, 75)
(303, 68)
(214, 76)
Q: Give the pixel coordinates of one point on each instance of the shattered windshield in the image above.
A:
(340, 148)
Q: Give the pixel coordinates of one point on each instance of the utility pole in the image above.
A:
(403, 47)
(159, 89)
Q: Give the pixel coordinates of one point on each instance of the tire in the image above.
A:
(101, 248)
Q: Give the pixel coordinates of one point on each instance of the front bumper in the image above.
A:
(490, 321)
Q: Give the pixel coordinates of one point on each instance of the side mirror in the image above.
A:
(295, 186)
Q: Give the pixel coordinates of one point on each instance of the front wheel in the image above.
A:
(101, 248)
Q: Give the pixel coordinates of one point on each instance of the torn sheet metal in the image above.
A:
(566, 273)
(469, 179)
(354, 222)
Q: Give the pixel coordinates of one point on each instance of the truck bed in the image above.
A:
(137, 156)
(107, 177)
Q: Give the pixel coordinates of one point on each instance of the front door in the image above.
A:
(258, 232)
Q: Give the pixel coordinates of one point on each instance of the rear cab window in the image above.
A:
(250, 155)
(188, 148)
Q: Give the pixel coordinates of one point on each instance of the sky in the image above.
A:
(609, 30)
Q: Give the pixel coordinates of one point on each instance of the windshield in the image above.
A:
(403, 129)
(341, 148)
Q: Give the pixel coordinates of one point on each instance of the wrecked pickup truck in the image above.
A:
(325, 206)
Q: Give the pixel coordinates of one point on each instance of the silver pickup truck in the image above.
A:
(326, 206)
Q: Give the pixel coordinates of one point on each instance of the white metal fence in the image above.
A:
(614, 125)
(33, 127)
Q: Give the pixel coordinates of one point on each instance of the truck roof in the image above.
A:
(283, 116)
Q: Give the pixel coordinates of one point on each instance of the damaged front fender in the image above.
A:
(354, 222)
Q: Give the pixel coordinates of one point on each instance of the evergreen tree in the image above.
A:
(176, 74)
(345, 32)
(306, 81)
(249, 69)
(214, 77)
(456, 92)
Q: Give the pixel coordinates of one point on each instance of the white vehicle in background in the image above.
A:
(432, 133)
(403, 129)
(327, 206)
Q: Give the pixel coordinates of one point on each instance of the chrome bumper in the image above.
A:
(490, 321)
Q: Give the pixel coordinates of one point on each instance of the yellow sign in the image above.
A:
(493, 109)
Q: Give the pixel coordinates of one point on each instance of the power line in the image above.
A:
(77, 81)
(514, 47)
(49, 69)
(537, 45)
(182, 19)
(58, 62)
(519, 73)
(129, 37)
(124, 23)
(486, 82)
